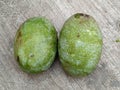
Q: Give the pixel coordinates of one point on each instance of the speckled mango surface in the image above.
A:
(35, 45)
(80, 45)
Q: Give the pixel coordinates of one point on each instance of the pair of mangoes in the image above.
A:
(79, 45)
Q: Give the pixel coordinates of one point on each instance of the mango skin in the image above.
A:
(35, 45)
(80, 45)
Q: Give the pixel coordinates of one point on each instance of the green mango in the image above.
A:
(80, 45)
(35, 45)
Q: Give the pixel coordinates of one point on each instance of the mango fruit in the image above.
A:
(80, 45)
(35, 45)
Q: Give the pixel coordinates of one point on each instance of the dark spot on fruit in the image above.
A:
(18, 58)
(19, 34)
(87, 16)
(78, 35)
(81, 14)
(77, 15)
(31, 55)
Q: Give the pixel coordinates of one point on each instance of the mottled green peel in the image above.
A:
(35, 45)
(80, 45)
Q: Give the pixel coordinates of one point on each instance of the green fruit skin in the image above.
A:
(80, 45)
(35, 45)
